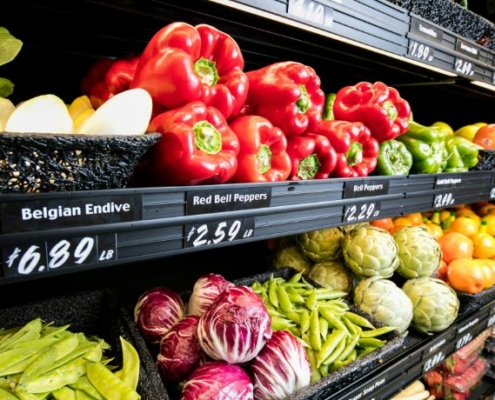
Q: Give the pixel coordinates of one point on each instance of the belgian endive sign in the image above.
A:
(66, 212)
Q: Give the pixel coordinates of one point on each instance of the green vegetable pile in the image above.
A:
(39, 360)
(9, 48)
(332, 333)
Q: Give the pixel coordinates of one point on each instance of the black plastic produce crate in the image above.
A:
(334, 381)
(93, 313)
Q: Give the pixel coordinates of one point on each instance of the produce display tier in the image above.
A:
(46, 234)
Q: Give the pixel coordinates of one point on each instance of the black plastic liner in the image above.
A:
(473, 302)
(93, 313)
(486, 160)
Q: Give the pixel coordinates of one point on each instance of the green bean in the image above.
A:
(315, 373)
(314, 330)
(323, 327)
(350, 347)
(335, 353)
(371, 342)
(311, 301)
(281, 323)
(378, 331)
(333, 321)
(353, 328)
(111, 387)
(304, 321)
(358, 320)
(283, 299)
(272, 294)
(331, 343)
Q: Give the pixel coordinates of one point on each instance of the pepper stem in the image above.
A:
(207, 71)
(304, 101)
(264, 159)
(355, 154)
(308, 167)
(391, 109)
(207, 137)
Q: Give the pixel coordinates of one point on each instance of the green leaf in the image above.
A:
(9, 46)
(6, 87)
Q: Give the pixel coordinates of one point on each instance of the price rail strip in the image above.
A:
(166, 222)
(434, 45)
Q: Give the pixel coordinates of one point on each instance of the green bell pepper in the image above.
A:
(393, 158)
(427, 146)
(327, 114)
(462, 154)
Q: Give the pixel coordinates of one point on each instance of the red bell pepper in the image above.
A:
(357, 151)
(288, 94)
(93, 83)
(182, 63)
(197, 147)
(263, 150)
(377, 105)
(121, 73)
(312, 156)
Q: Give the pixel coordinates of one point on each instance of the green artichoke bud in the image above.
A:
(435, 304)
(370, 251)
(385, 301)
(333, 275)
(291, 257)
(419, 252)
(321, 244)
(350, 227)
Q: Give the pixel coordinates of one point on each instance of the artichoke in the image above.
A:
(435, 304)
(370, 251)
(321, 244)
(385, 301)
(419, 252)
(333, 275)
(291, 257)
(350, 227)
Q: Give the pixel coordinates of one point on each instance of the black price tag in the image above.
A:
(361, 212)
(311, 11)
(464, 67)
(425, 30)
(210, 233)
(433, 360)
(45, 256)
(420, 51)
(443, 200)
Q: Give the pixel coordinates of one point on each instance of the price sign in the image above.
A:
(464, 67)
(28, 259)
(491, 321)
(215, 232)
(443, 200)
(420, 51)
(433, 361)
(311, 11)
(463, 340)
(361, 212)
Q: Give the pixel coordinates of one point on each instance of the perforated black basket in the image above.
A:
(35, 162)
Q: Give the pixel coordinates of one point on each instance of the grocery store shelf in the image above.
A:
(56, 233)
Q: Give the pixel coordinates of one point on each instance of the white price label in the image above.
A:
(464, 67)
(310, 11)
(433, 361)
(361, 212)
(215, 232)
(40, 257)
(420, 51)
(465, 339)
(443, 200)
(491, 321)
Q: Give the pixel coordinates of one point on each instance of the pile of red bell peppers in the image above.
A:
(222, 124)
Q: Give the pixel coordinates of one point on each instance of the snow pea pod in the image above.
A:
(28, 332)
(84, 385)
(332, 341)
(129, 374)
(64, 393)
(377, 331)
(111, 387)
(358, 320)
(314, 330)
(5, 395)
